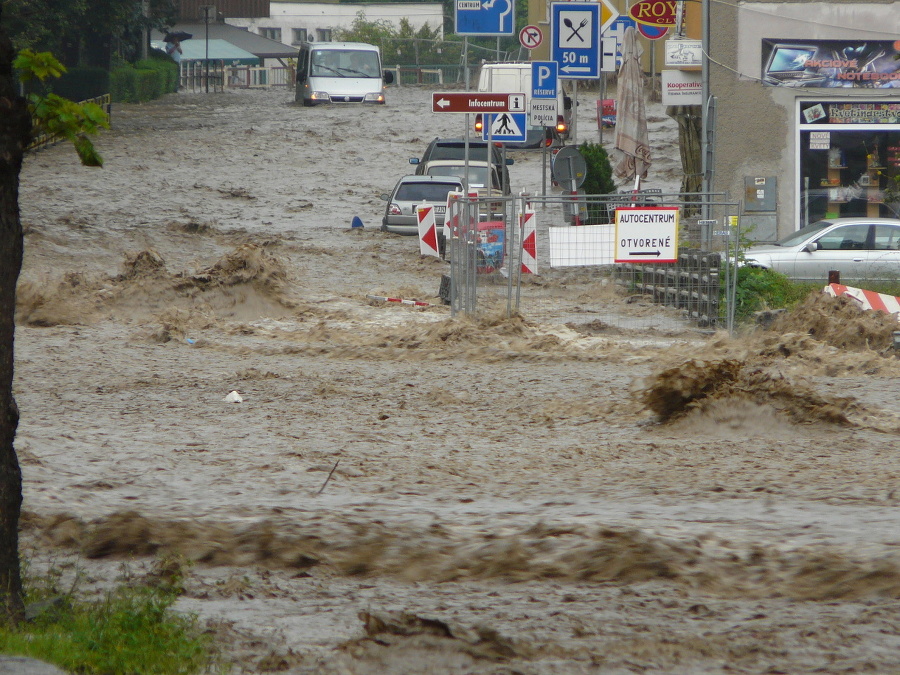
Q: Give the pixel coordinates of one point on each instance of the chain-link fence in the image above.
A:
(560, 259)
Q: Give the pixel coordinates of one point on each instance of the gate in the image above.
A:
(552, 258)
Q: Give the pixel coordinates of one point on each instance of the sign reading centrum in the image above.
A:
(477, 102)
(647, 234)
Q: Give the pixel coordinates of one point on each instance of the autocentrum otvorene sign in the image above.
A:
(647, 234)
(654, 12)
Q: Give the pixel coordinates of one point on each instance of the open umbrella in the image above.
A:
(632, 139)
(179, 35)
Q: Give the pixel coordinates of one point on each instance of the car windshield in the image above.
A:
(804, 233)
(344, 63)
(429, 192)
(477, 174)
(458, 151)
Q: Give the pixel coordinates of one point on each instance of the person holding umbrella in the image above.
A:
(173, 49)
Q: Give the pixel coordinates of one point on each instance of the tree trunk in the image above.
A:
(15, 130)
(689, 132)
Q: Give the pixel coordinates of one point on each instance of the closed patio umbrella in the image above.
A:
(632, 139)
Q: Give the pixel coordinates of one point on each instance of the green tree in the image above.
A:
(74, 122)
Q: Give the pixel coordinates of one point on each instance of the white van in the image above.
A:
(516, 77)
(340, 72)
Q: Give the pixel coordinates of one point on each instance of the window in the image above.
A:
(887, 238)
(271, 33)
(848, 238)
(323, 34)
(299, 35)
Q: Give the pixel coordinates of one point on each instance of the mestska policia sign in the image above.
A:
(647, 234)
(872, 64)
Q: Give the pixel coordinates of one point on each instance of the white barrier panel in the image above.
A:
(582, 245)
(428, 243)
(529, 242)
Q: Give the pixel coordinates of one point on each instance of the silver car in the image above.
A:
(410, 192)
(861, 249)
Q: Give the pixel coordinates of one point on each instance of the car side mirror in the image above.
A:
(413, 160)
(510, 162)
(811, 246)
(385, 196)
(388, 77)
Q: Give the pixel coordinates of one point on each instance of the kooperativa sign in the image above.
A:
(831, 63)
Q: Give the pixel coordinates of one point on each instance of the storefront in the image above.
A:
(848, 136)
(848, 159)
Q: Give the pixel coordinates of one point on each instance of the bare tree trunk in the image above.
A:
(689, 132)
(15, 129)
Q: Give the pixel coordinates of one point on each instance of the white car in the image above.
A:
(861, 249)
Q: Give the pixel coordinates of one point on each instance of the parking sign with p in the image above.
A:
(544, 79)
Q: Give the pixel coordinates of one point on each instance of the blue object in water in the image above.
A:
(357, 222)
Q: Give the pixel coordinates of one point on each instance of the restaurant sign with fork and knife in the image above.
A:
(575, 37)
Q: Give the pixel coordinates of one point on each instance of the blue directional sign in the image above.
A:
(505, 127)
(485, 17)
(544, 76)
(575, 39)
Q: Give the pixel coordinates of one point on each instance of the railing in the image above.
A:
(258, 77)
(45, 139)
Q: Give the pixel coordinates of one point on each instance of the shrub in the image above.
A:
(122, 84)
(598, 180)
(759, 289)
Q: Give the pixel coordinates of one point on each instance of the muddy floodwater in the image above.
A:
(402, 491)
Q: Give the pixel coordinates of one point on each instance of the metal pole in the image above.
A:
(704, 141)
(206, 21)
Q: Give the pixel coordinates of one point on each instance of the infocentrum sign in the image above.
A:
(647, 234)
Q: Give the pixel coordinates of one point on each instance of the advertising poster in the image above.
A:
(830, 63)
(681, 87)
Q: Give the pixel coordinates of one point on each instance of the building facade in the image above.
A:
(295, 22)
(806, 104)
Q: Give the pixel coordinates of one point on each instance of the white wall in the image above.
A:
(312, 16)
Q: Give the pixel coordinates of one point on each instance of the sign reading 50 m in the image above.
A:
(575, 39)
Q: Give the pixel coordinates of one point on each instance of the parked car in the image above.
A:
(455, 148)
(410, 192)
(861, 249)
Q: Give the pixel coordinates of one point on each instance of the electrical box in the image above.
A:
(760, 194)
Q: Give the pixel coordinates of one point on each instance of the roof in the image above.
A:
(257, 45)
(218, 49)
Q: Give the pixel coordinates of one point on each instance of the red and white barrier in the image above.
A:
(866, 299)
(417, 303)
(428, 243)
(528, 226)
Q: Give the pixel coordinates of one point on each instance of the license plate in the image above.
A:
(440, 209)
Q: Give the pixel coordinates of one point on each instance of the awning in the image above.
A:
(195, 50)
(259, 46)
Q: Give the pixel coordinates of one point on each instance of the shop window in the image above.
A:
(271, 33)
(849, 161)
(299, 35)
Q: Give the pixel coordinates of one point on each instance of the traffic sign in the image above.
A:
(608, 14)
(531, 37)
(544, 79)
(647, 234)
(476, 102)
(569, 166)
(505, 127)
(485, 17)
(575, 43)
(543, 112)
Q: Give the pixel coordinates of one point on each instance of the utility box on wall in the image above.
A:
(760, 193)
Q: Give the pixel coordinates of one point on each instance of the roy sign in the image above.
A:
(647, 234)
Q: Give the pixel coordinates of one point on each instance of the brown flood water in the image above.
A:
(403, 492)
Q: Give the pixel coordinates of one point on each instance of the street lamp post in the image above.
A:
(207, 9)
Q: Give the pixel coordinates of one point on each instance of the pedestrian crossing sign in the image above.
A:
(505, 127)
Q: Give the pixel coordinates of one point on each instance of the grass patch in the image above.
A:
(130, 630)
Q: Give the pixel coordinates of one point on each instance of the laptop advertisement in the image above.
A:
(870, 64)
